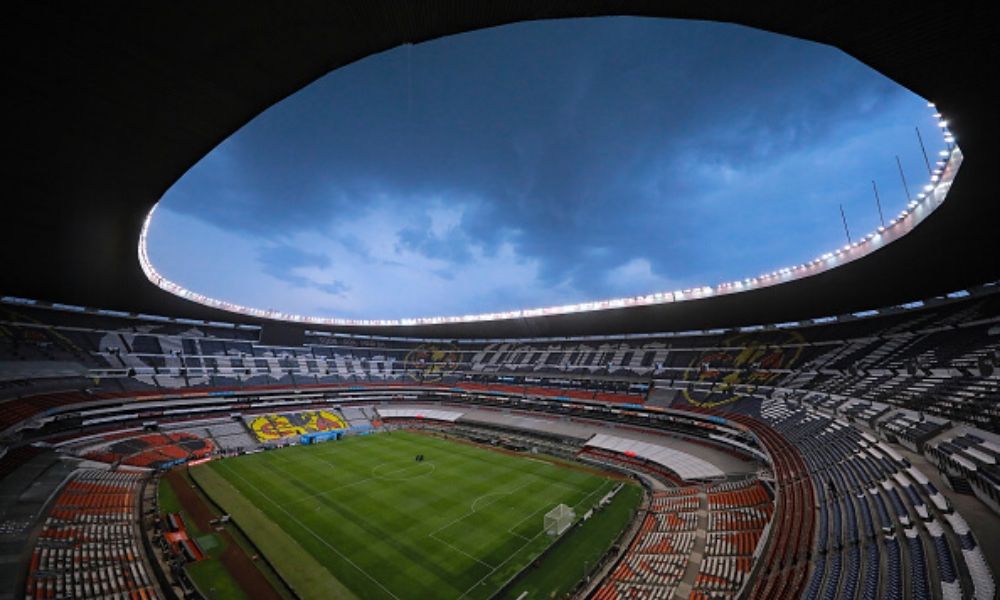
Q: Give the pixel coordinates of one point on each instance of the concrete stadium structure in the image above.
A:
(864, 448)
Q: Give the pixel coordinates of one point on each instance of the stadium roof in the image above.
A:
(111, 103)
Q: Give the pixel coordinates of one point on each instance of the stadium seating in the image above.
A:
(854, 475)
(845, 514)
(658, 556)
(929, 360)
(88, 547)
(153, 450)
(973, 459)
(911, 429)
(664, 550)
(739, 513)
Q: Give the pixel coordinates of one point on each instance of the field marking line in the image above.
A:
(592, 492)
(511, 531)
(506, 560)
(388, 476)
(523, 537)
(365, 480)
(298, 462)
(568, 486)
(473, 508)
(502, 494)
(454, 547)
(525, 545)
(311, 532)
(321, 458)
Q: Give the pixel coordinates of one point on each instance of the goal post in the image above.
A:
(558, 520)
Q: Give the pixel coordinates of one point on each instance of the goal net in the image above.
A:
(559, 519)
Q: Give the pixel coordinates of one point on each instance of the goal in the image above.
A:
(559, 519)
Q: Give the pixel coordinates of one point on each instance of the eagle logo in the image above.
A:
(749, 363)
(430, 362)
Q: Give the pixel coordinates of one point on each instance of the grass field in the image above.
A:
(362, 512)
(209, 575)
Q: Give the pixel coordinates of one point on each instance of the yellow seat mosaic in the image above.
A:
(272, 427)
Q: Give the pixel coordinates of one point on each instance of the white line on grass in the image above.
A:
(311, 532)
(322, 459)
(523, 546)
(388, 476)
(365, 480)
(474, 507)
(568, 486)
(506, 560)
(454, 547)
(523, 537)
(592, 492)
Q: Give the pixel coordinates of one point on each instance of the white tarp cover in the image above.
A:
(418, 413)
(688, 467)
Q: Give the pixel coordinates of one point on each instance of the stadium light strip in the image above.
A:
(927, 201)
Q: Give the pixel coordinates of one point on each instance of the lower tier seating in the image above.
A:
(88, 547)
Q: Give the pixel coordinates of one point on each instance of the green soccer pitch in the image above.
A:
(362, 518)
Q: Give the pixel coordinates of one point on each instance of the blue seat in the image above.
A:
(835, 536)
(897, 504)
(967, 541)
(946, 566)
(883, 512)
(866, 517)
(832, 587)
(819, 567)
(821, 535)
(852, 521)
(853, 572)
(915, 500)
(872, 573)
(894, 571)
(919, 587)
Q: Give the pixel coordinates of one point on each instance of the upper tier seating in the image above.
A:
(910, 429)
(935, 360)
(972, 458)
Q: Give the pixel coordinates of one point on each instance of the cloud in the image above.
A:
(544, 163)
(334, 288)
(437, 231)
(637, 277)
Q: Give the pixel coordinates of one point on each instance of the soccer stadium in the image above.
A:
(827, 429)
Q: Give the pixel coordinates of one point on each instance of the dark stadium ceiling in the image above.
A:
(112, 103)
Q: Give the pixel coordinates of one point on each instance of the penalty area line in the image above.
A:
(457, 549)
(525, 545)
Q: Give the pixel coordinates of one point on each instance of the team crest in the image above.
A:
(275, 427)
(750, 363)
(428, 362)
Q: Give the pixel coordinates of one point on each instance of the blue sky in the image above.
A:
(543, 163)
